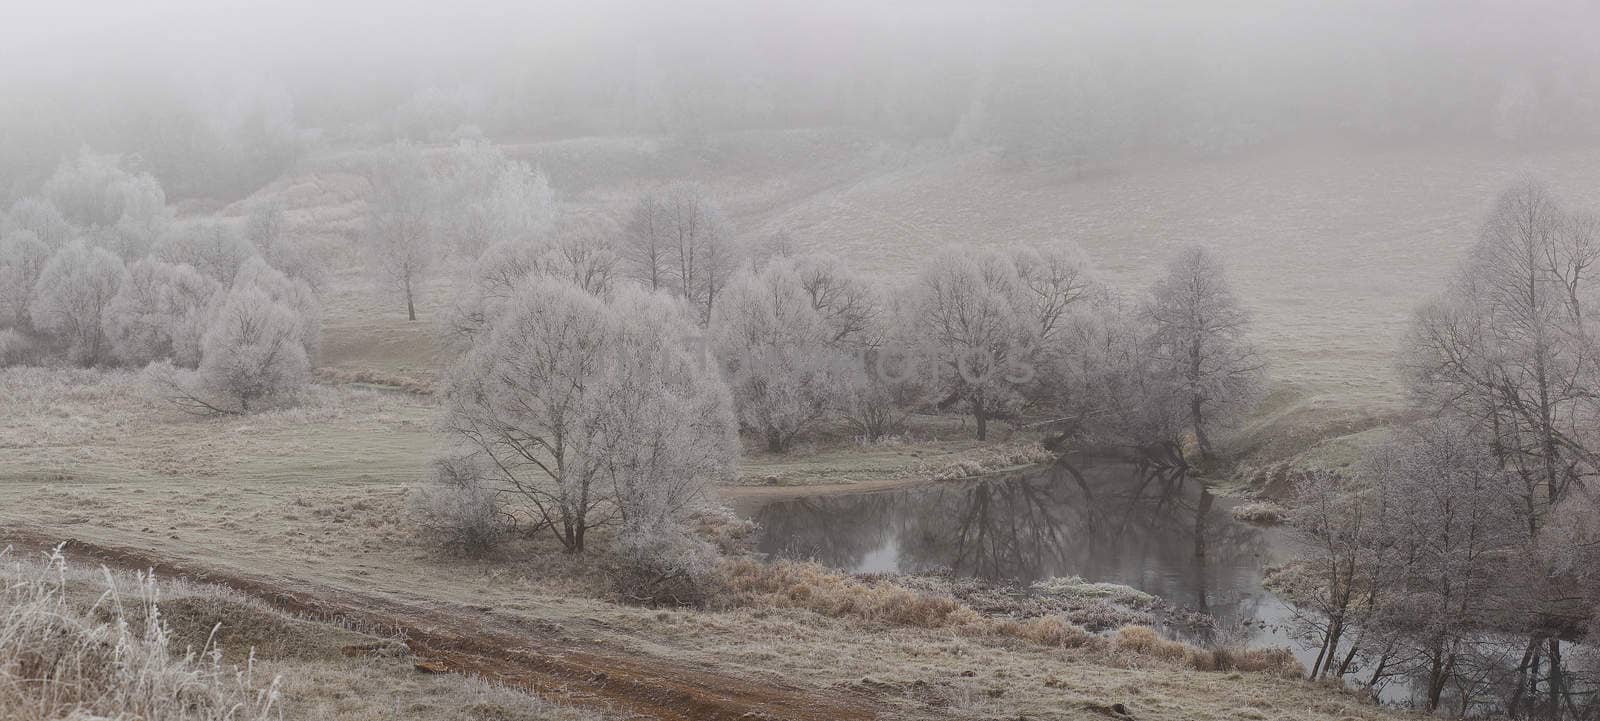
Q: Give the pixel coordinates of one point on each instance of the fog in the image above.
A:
(190, 84)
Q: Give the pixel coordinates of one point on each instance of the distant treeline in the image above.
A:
(1058, 84)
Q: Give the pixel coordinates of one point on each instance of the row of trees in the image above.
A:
(1003, 334)
(1461, 554)
(98, 272)
(600, 363)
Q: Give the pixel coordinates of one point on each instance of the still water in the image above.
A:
(1156, 530)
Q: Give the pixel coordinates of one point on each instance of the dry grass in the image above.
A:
(814, 588)
(113, 659)
(1264, 513)
(81, 644)
(319, 497)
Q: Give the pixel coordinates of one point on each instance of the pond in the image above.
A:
(1153, 529)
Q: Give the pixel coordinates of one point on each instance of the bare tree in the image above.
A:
(160, 312)
(573, 404)
(70, 298)
(678, 239)
(1198, 336)
(1511, 346)
(401, 227)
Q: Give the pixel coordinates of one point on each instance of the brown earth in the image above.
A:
(538, 657)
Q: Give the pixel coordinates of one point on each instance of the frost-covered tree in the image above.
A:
(70, 298)
(1198, 336)
(890, 379)
(216, 248)
(160, 312)
(581, 248)
(22, 258)
(93, 190)
(988, 317)
(1511, 342)
(1104, 386)
(788, 337)
(775, 350)
(587, 412)
(295, 293)
(677, 239)
(485, 198)
(267, 229)
(42, 218)
(401, 226)
(1511, 345)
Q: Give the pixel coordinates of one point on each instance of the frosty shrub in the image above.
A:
(666, 568)
(459, 509)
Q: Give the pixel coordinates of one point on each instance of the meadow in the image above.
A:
(1329, 247)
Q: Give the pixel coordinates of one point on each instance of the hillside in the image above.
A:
(1330, 247)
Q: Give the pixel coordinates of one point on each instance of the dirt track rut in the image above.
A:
(450, 640)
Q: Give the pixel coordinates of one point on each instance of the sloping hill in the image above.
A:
(1330, 246)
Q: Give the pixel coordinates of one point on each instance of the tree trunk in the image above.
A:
(774, 441)
(411, 308)
(1557, 683)
(1197, 417)
(981, 415)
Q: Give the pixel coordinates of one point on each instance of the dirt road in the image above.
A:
(523, 653)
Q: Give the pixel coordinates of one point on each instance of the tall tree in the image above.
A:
(401, 223)
(1198, 334)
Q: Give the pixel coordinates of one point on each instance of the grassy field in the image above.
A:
(1330, 248)
(312, 504)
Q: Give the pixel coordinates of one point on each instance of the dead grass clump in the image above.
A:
(1144, 641)
(59, 660)
(1275, 661)
(1265, 513)
(813, 587)
(979, 461)
(1048, 631)
(378, 379)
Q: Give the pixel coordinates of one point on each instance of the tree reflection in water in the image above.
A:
(1150, 528)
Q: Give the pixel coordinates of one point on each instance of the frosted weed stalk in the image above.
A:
(60, 660)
